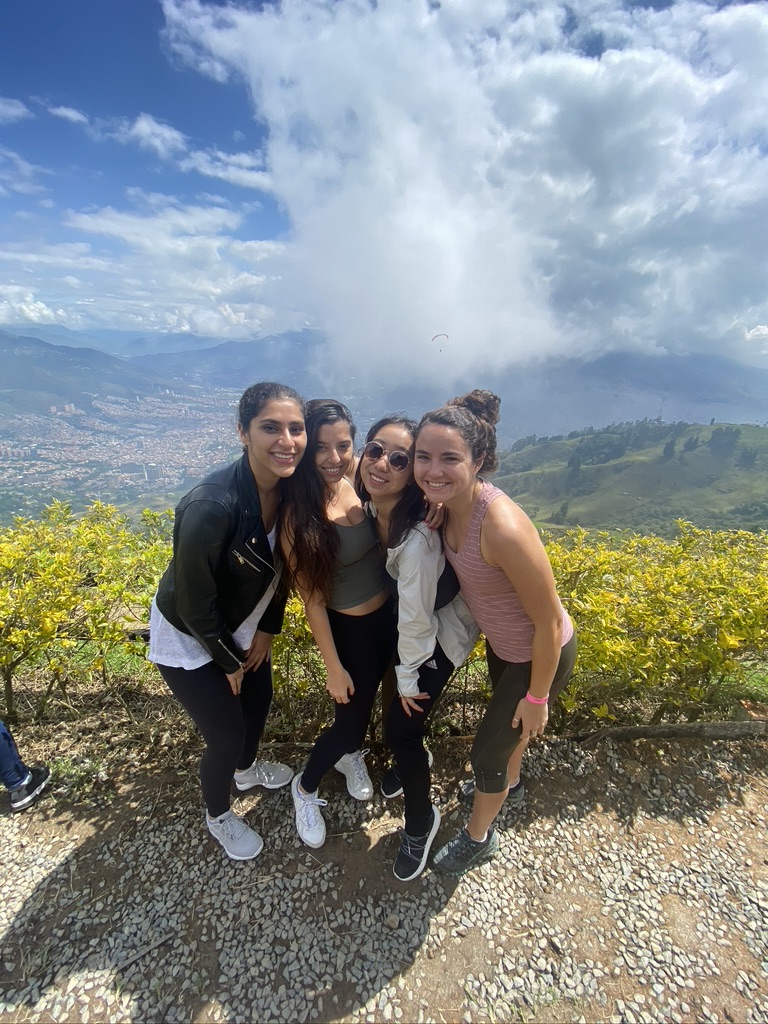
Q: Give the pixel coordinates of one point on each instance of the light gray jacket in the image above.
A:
(416, 565)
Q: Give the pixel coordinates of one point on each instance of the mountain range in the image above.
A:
(543, 398)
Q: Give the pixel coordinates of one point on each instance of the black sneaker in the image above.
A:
(414, 850)
(390, 784)
(26, 795)
(515, 795)
(462, 852)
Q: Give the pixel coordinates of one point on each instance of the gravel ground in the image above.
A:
(630, 886)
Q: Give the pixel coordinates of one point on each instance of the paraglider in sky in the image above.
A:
(440, 336)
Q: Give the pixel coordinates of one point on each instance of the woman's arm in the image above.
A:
(510, 541)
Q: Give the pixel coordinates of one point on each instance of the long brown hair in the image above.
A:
(314, 540)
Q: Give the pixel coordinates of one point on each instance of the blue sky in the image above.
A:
(527, 178)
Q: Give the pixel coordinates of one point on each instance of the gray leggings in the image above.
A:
(495, 739)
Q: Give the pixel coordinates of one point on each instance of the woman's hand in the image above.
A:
(409, 703)
(259, 651)
(235, 680)
(340, 686)
(435, 516)
(532, 718)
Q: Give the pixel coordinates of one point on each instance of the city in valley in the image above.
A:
(134, 453)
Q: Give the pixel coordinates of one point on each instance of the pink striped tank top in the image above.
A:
(490, 596)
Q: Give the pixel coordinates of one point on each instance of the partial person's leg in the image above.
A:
(206, 696)
(405, 736)
(13, 771)
(256, 700)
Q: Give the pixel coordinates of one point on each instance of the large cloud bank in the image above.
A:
(528, 179)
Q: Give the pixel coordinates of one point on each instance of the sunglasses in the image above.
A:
(398, 460)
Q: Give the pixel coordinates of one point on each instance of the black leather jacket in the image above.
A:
(222, 564)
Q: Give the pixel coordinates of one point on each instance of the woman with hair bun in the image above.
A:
(507, 582)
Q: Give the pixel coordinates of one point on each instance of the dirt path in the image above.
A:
(632, 885)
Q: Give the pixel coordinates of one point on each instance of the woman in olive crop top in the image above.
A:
(337, 567)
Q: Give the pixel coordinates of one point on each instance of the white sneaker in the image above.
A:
(309, 820)
(269, 774)
(239, 841)
(352, 767)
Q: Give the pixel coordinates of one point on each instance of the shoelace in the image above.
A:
(414, 845)
(358, 766)
(309, 805)
(233, 827)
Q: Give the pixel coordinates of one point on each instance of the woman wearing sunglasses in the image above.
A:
(507, 581)
(333, 553)
(436, 631)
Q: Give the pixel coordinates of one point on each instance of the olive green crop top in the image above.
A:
(360, 573)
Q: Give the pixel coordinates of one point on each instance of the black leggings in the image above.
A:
(495, 739)
(365, 644)
(405, 737)
(231, 725)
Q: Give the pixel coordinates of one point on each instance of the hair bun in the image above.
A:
(483, 404)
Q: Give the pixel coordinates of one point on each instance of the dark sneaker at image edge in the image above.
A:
(35, 783)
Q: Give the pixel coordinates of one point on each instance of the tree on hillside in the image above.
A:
(723, 440)
(746, 458)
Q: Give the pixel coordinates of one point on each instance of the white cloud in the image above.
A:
(18, 175)
(243, 169)
(163, 140)
(13, 110)
(157, 265)
(527, 178)
(69, 114)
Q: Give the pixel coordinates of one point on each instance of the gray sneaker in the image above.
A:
(309, 819)
(269, 774)
(239, 841)
(352, 767)
(462, 852)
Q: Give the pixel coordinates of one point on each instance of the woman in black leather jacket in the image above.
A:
(220, 602)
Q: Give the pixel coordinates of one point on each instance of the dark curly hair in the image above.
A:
(315, 541)
(474, 416)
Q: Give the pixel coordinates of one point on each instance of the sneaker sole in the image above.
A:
(264, 785)
(427, 848)
(391, 796)
(234, 856)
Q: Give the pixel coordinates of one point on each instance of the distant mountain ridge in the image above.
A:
(35, 375)
(543, 398)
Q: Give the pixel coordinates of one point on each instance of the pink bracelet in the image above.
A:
(536, 700)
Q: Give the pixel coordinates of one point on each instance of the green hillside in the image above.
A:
(643, 476)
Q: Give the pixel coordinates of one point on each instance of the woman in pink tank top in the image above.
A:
(507, 582)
